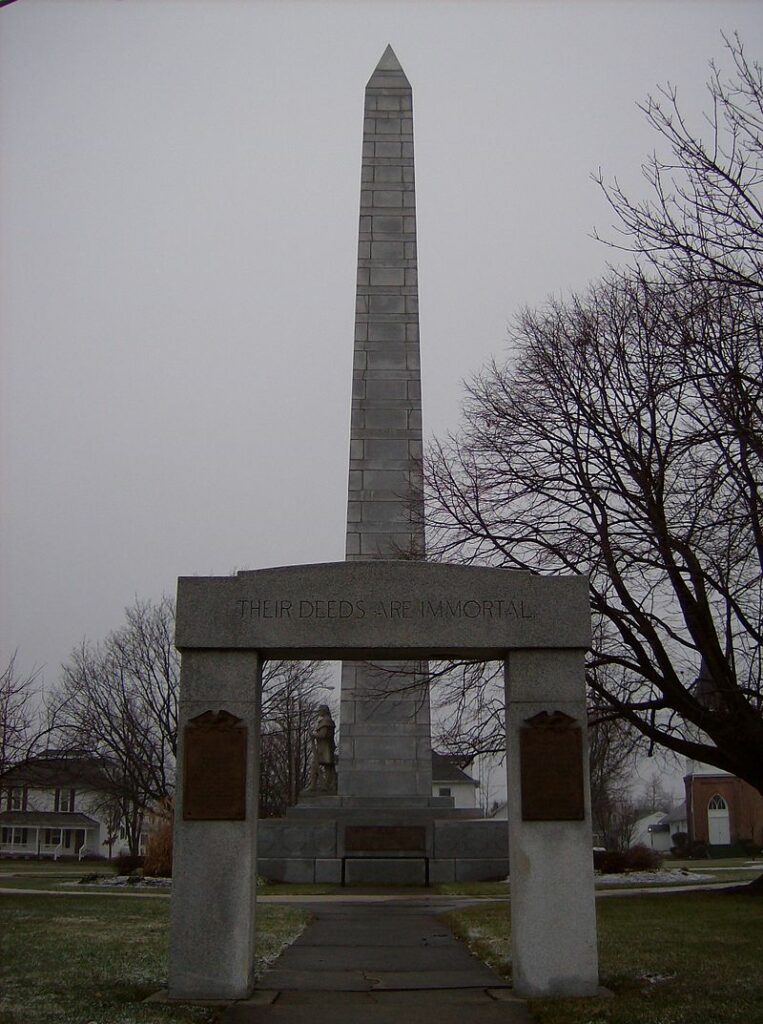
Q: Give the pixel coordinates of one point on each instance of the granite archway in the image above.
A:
(382, 610)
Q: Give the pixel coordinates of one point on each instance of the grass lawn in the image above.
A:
(39, 868)
(496, 890)
(93, 960)
(727, 871)
(298, 889)
(716, 864)
(690, 958)
(46, 881)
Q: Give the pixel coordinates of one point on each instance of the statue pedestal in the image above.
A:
(381, 841)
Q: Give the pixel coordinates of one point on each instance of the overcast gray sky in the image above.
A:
(179, 184)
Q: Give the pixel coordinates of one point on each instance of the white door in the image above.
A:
(718, 822)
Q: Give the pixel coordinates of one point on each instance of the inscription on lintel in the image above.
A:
(551, 768)
(407, 609)
(214, 777)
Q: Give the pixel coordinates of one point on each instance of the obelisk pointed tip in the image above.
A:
(388, 67)
(389, 61)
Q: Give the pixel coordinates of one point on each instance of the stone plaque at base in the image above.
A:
(551, 764)
(385, 839)
(214, 777)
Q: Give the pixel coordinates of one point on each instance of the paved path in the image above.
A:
(366, 964)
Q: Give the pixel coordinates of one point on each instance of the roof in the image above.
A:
(447, 768)
(57, 769)
(677, 814)
(647, 820)
(46, 819)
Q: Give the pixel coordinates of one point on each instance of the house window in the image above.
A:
(15, 836)
(65, 800)
(717, 803)
(17, 798)
(444, 791)
(52, 836)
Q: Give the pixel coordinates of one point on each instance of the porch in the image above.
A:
(48, 834)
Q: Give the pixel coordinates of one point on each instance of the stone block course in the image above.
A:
(391, 126)
(387, 419)
(386, 251)
(441, 871)
(394, 480)
(383, 450)
(389, 102)
(384, 511)
(385, 224)
(287, 869)
(281, 837)
(385, 303)
(389, 197)
(388, 276)
(384, 331)
(389, 149)
(387, 173)
(383, 389)
(477, 839)
(328, 872)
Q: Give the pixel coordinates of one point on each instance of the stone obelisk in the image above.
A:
(385, 750)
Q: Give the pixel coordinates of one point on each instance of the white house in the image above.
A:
(59, 805)
(450, 779)
(650, 832)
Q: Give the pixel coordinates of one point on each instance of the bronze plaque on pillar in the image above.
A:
(551, 768)
(214, 776)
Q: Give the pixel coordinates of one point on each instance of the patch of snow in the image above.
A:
(653, 877)
(657, 979)
(124, 881)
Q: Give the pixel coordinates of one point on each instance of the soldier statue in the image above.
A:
(323, 770)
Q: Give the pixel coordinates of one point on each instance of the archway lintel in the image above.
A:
(383, 610)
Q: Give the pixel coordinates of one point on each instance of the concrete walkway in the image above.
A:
(378, 965)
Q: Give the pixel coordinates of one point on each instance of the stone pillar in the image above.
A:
(385, 748)
(215, 870)
(553, 911)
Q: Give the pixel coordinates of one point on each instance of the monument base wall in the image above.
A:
(332, 850)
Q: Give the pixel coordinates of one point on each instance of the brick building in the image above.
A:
(722, 810)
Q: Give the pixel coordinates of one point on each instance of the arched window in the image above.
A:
(717, 803)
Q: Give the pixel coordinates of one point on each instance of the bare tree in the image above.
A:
(704, 216)
(116, 702)
(470, 704)
(145, 646)
(96, 711)
(18, 713)
(654, 796)
(291, 694)
(623, 441)
(612, 748)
